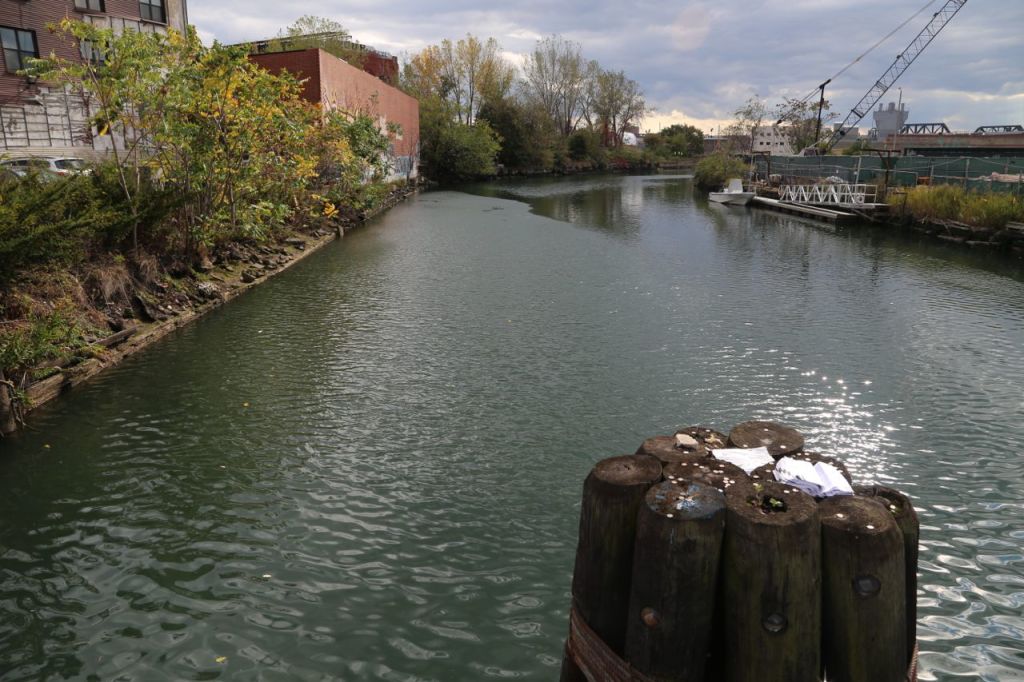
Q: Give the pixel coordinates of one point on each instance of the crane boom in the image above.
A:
(901, 64)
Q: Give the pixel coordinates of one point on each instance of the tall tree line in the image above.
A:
(477, 107)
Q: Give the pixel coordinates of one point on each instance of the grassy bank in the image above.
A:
(952, 203)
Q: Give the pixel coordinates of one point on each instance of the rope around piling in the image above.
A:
(595, 659)
(599, 663)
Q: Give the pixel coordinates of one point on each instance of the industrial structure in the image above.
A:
(333, 84)
(37, 118)
(889, 120)
(373, 61)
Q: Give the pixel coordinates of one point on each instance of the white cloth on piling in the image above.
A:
(747, 459)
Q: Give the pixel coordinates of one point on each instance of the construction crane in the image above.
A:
(900, 65)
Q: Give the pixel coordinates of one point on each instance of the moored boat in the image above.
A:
(732, 194)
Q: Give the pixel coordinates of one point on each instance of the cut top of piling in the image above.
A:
(706, 436)
(708, 471)
(779, 439)
(859, 515)
(770, 503)
(628, 471)
(686, 501)
(673, 448)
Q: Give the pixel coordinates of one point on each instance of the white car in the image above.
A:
(61, 165)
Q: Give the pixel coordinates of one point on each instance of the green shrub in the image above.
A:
(950, 202)
(713, 171)
(584, 145)
(992, 210)
(52, 220)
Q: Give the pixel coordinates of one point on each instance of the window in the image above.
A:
(90, 5)
(153, 10)
(19, 46)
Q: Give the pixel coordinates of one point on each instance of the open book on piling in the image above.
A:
(818, 480)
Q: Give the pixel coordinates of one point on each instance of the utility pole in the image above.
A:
(899, 109)
(821, 105)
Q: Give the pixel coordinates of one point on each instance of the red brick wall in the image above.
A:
(343, 86)
(303, 64)
(384, 68)
(36, 14)
(338, 85)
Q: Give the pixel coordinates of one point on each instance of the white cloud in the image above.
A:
(692, 27)
(702, 57)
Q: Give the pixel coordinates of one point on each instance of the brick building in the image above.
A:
(35, 118)
(334, 84)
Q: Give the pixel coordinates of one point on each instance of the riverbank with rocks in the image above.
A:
(1008, 240)
(140, 308)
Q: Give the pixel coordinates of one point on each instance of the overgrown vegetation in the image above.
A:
(45, 221)
(950, 202)
(676, 140)
(205, 147)
(714, 170)
(206, 150)
(310, 31)
(54, 336)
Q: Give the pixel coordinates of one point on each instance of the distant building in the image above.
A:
(36, 118)
(773, 140)
(734, 143)
(334, 84)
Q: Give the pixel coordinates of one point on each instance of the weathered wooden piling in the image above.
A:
(708, 437)
(770, 595)
(8, 415)
(688, 568)
(672, 449)
(675, 572)
(612, 495)
(863, 592)
(763, 473)
(906, 518)
(708, 471)
(780, 440)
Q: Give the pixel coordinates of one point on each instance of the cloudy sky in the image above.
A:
(698, 60)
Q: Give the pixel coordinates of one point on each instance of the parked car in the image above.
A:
(61, 165)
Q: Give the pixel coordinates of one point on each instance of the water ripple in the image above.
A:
(369, 467)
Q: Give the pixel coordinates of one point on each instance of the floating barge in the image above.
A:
(814, 212)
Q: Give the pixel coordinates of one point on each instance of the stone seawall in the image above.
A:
(1009, 240)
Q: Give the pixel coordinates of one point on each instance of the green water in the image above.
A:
(399, 499)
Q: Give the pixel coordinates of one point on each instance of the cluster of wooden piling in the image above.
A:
(688, 568)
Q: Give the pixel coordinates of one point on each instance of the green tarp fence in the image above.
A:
(981, 174)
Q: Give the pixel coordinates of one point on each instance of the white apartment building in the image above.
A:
(773, 139)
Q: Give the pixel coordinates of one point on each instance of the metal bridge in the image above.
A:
(830, 194)
(994, 130)
(925, 129)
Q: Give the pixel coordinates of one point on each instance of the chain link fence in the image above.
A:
(991, 174)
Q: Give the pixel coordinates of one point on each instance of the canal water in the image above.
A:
(369, 467)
